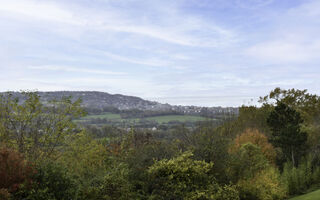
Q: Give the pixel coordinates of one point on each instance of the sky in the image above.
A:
(183, 52)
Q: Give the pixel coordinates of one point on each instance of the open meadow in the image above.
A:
(310, 196)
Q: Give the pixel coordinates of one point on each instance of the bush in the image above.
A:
(110, 184)
(227, 193)
(246, 162)
(116, 185)
(50, 182)
(4, 194)
(265, 185)
(299, 179)
(185, 178)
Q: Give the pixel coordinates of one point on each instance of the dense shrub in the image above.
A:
(265, 185)
(4, 194)
(299, 179)
(185, 178)
(246, 162)
(116, 185)
(226, 193)
(50, 182)
(255, 178)
(212, 146)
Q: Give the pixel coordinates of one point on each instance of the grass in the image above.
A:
(310, 196)
(180, 118)
(158, 119)
(106, 115)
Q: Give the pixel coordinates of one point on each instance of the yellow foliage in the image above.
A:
(266, 185)
(255, 137)
(84, 155)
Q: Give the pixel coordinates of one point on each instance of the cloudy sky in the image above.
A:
(199, 52)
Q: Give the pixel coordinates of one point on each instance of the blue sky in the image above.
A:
(189, 52)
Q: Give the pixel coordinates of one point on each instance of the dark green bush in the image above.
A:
(50, 182)
(301, 178)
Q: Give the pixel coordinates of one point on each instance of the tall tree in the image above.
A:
(285, 124)
(34, 128)
(257, 138)
(308, 105)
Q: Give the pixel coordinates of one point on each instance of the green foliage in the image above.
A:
(184, 178)
(226, 193)
(265, 185)
(299, 179)
(51, 182)
(110, 163)
(35, 129)
(285, 124)
(211, 145)
(112, 183)
(256, 138)
(99, 174)
(139, 151)
(84, 156)
(256, 179)
(87, 160)
(251, 117)
(247, 162)
(308, 105)
(116, 185)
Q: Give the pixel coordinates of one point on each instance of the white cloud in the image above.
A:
(180, 29)
(75, 69)
(253, 4)
(126, 85)
(39, 10)
(308, 9)
(285, 51)
(148, 61)
(206, 49)
(293, 38)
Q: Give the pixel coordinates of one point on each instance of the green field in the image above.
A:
(310, 196)
(158, 119)
(180, 118)
(103, 116)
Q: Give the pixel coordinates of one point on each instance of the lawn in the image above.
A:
(310, 196)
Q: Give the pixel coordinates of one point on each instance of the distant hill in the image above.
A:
(101, 100)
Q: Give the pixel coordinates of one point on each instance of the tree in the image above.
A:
(285, 123)
(34, 128)
(255, 137)
(211, 145)
(308, 105)
(247, 161)
(254, 177)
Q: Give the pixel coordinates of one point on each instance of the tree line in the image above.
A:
(268, 152)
